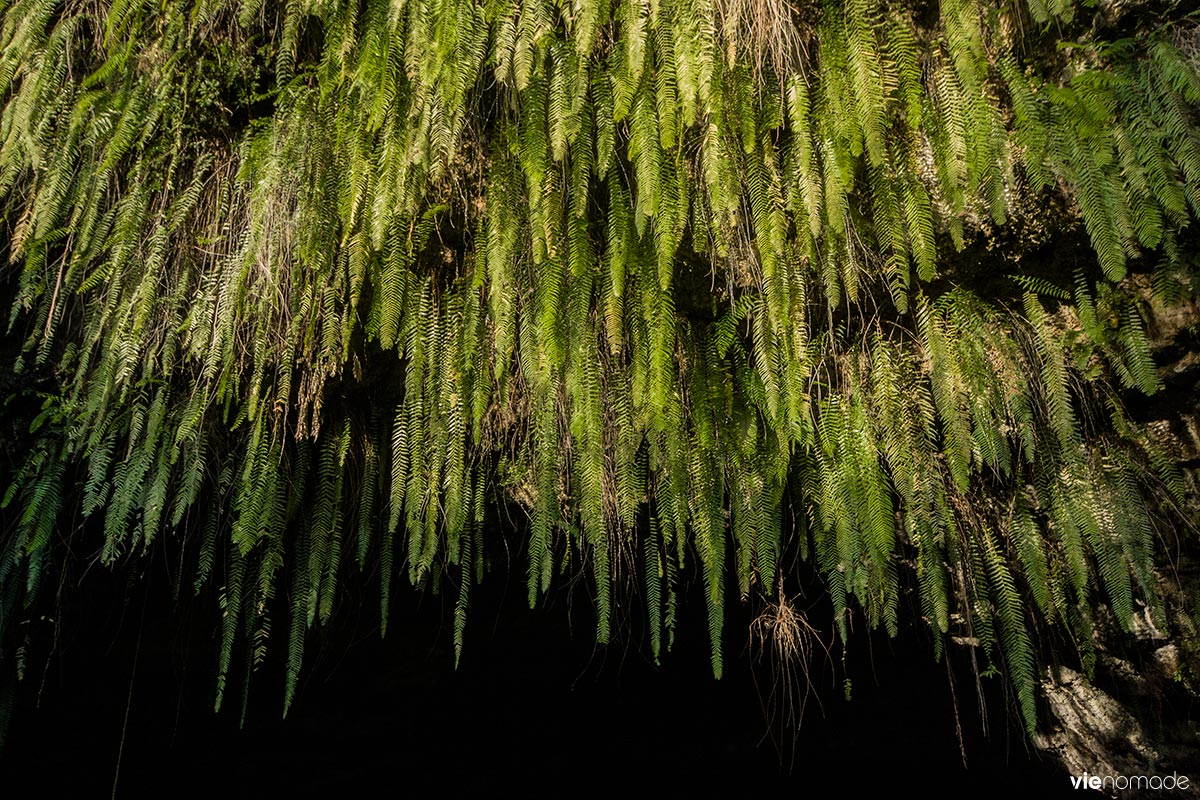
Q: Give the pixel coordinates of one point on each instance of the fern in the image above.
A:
(649, 271)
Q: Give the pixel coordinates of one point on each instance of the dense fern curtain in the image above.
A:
(308, 285)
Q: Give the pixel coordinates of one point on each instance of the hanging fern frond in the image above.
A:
(305, 287)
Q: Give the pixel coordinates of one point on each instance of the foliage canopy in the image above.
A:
(309, 284)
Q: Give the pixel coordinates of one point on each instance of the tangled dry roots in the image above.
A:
(783, 635)
(770, 33)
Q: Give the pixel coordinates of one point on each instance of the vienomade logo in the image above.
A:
(1121, 782)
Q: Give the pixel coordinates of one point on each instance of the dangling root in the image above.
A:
(783, 633)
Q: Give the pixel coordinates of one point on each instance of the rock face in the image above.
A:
(1174, 415)
(1096, 733)
(1140, 712)
(1136, 717)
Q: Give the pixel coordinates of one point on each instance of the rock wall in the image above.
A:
(1140, 712)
